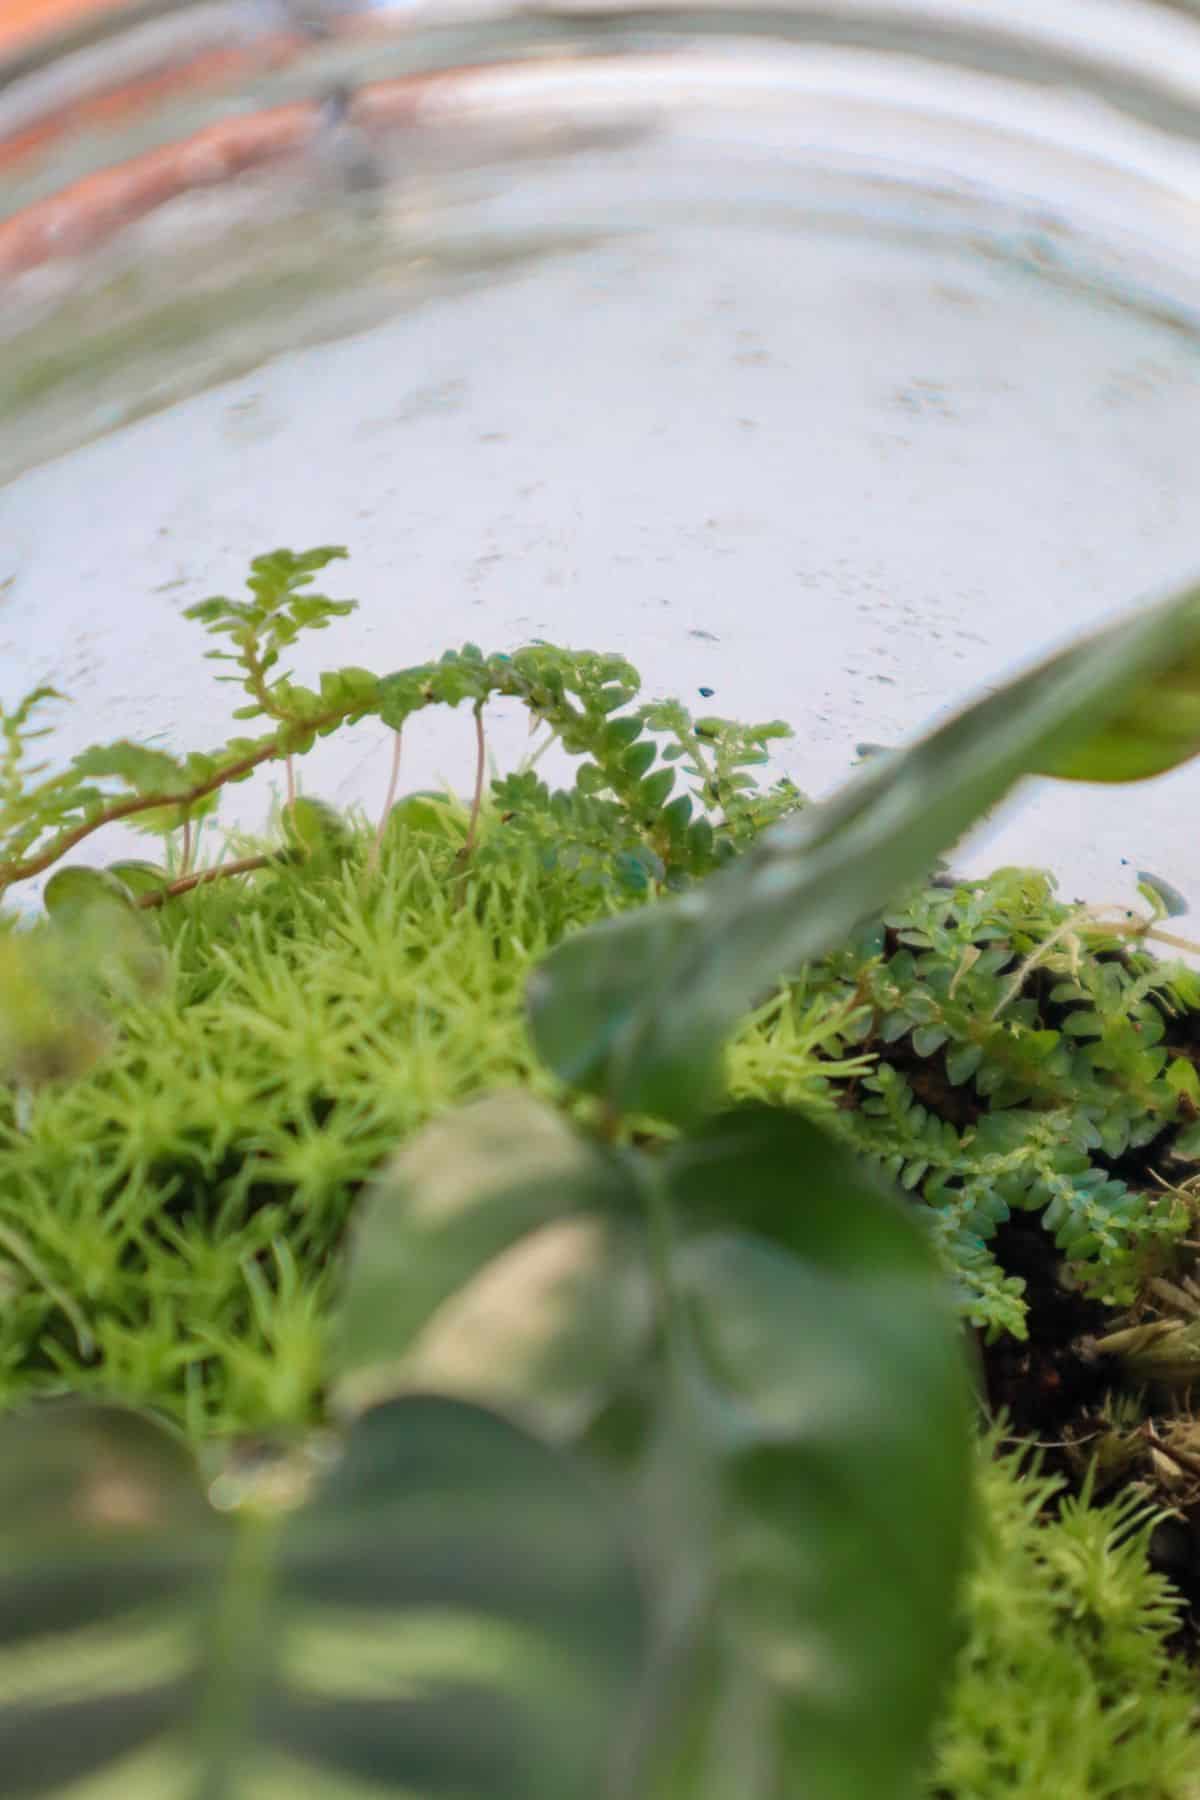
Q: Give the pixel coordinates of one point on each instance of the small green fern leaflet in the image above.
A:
(582, 698)
(981, 1108)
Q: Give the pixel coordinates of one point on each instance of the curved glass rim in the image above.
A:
(1142, 56)
(1095, 104)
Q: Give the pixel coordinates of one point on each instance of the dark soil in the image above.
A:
(1044, 1385)
(1053, 1391)
(1175, 1553)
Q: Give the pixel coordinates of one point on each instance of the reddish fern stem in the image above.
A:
(389, 800)
(201, 877)
(126, 809)
(477, 796)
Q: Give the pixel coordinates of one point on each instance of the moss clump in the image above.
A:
(1065, 1687)
(167, 1220)
(185, 1194)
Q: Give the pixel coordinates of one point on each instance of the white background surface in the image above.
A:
(844, 483)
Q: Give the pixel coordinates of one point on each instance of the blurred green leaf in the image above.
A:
(99, 941)
(583, 998)
(160, 821)
(137, 766)
(50, 1026)
(106, 1548)
(314, 826)
(440, 814)
(75, 889)
(637, 1009)
(350, 686)
(464, 1614)
(449, 1609)
(144, 771)
(140, 877)
(496, 1256)
(654, 790)
(1155, 725)
(827, 1389)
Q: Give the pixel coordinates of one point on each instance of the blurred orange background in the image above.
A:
(25, 19)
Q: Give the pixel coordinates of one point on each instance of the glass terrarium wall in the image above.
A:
(825, 361)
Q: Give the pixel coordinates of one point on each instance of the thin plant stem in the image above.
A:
(388, 803)
(1139, 928)
(10, 873)
(243, 866)
(676, 1508)
(465, 854)
(1129, 928)
(1035, 958)
(1165, 937)
(290, 766)
(240, 1634)
(532, 761)
(477, 796)
(185, 855)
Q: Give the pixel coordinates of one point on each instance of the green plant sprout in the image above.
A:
(673, 837)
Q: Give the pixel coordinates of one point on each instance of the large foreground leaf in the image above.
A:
(498, 1256)
(449, 1609)
(637, 1009)
(1154, 729)
(829, 1400)
(107, 1548)
(800, 1493)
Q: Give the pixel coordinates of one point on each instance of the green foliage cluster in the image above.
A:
(985, 1044)
(296, 1033)
(627, 820)
(188, 1189)
(242, 1062)
(1065, 1684)
(624, 1448)
(995, 1049)
(630, 763)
